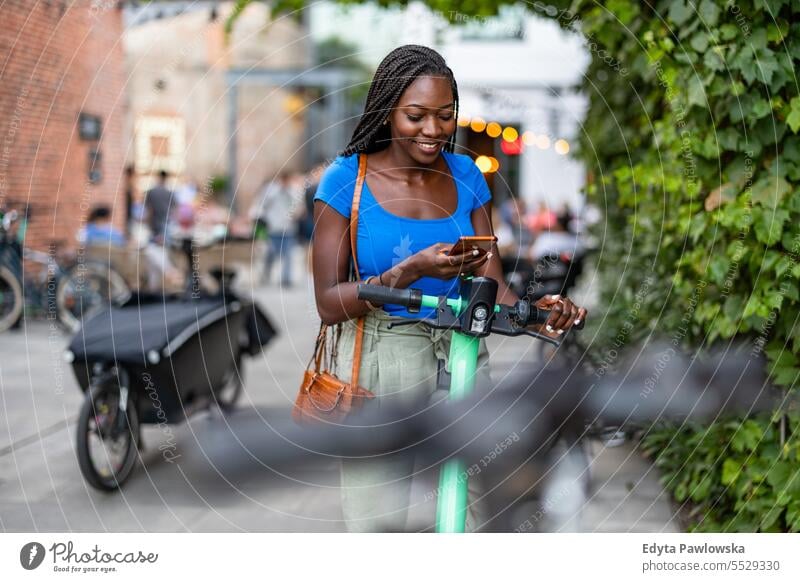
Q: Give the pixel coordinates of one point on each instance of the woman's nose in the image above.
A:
(431, 127)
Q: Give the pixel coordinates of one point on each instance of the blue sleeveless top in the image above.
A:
(385, 239)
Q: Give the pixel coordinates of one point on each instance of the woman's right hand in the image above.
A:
(435, 262)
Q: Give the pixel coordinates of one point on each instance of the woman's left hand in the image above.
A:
(563, 314)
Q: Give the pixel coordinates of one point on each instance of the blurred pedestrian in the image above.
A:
(99, 230)
(158, 205)
(544, 219)
(130, 199)
(277, 207)
(557, 240)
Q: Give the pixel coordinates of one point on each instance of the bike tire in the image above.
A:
(103, 277)
(10, 311)
(89, 470)
(230, 392)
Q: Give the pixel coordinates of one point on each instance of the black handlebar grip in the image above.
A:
(538, 315)
(411, 299)
(542, 315)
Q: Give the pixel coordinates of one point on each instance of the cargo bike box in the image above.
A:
(157, 360)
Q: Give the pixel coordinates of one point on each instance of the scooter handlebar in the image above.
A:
(536, 315)
(411, 299)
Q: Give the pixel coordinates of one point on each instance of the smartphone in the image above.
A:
(483, 244)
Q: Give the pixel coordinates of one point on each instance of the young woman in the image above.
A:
(417, 200)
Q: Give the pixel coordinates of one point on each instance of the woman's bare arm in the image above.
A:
(334, 292)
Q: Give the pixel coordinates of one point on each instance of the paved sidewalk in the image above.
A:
(41, 488)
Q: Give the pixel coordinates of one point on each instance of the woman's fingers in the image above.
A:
(556, 310)
(474, 264)
(568, 313)
(571, 315)
(582, 313)
(563, 313)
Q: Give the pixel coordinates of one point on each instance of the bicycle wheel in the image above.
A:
(107, 449)
(85, 289)
(227, 396)
(11, 299)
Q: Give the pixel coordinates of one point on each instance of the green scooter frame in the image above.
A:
(471, 316)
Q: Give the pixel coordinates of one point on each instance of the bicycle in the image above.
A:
(63, 291)
(471, 316)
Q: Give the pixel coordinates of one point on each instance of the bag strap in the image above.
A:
(362, 173)
(319, 347)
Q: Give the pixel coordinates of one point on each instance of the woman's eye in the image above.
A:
(414, 117)
(445, 117)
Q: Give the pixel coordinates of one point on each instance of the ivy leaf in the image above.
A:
(747, 436)
(701, 490)
(745, 62)
(713, 60)
(733, 307)
(779, 474)
(777, 32)
(700, 42)
(772, 6)
(769, 191)
(730, 471)
(768, 226)
(709, 12)
(771, 516)
(679, 12)
(767, 66)
(783, 366)
(793, 120)
(760, 108)
(793, 516)
(696, 93)
(728, 31)
(728, 138)
(718, 268)
(791, 146)
(739, 170)
(757, 41)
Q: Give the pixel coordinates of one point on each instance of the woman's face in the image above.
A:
(423, 119)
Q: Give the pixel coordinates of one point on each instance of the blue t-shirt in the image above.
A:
(96, 234)
(385, 239)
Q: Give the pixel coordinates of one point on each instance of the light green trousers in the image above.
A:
(400, 366)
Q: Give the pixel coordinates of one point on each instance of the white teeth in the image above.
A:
(427, 146)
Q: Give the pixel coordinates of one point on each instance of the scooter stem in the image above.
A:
(451, 509)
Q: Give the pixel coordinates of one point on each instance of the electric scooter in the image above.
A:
(471, 316)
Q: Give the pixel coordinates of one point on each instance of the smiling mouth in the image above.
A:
(428, 147)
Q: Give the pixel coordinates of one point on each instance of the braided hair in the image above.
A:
(395, 73)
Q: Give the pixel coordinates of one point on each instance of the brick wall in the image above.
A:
(57, 59)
